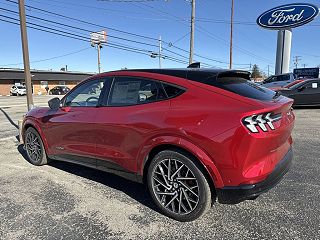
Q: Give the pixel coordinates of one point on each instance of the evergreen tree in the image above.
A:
(256, 72)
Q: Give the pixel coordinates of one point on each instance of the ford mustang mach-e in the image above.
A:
(193, 136)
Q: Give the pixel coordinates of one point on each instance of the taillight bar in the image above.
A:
(261, 120)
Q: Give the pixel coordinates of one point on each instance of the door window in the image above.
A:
(312, 86)
(132, 91)
(86, 94)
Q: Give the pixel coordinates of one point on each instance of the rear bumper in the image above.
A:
(237, 194)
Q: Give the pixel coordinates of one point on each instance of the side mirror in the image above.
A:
(301, 88)
(54, 103)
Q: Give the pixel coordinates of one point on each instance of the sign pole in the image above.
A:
(99, 63)
(193, 13)
(25, 50)
(283, 51)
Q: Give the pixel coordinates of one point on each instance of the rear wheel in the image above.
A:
(178, 186)
(35, 148)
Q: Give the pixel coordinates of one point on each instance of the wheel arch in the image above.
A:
(29, 123)
(199, 157)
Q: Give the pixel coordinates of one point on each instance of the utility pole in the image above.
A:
(231, 32)
(96, 38)
(160, 51)
(268, 71)
(99, 63)
(304, 65)
(193, 13)
(25, 50)
(296, 60)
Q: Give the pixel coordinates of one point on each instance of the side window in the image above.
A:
(85, 95)
(285, 78)
(270, 79)
(132, 91)
(312, 86)
(172, 91)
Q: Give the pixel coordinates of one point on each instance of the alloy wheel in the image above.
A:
(33, 147)
(175, 186)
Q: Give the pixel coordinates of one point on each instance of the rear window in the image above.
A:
(244, 88)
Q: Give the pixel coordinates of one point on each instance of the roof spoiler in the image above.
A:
(194, 65)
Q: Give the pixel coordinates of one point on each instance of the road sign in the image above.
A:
(306, 72)
(98, 37)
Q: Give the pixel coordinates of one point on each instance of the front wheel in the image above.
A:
(35, 148)
(178, 186)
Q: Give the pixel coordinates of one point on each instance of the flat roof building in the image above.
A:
(40, 79)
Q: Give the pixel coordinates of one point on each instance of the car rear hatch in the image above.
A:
(265, 129)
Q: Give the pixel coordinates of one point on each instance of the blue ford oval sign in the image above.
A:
(288, 16)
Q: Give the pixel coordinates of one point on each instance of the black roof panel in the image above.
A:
(197, 74)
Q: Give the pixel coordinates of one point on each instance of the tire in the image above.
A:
(177, 197)
(35, 148)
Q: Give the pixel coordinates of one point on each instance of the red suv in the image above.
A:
(191, 135)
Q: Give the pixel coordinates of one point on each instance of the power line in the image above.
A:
(86, 22)
(97, 25)
(110, 11)
(205, 31)
(77, 28)
(85, 39)
(81, 29)
(48, 59)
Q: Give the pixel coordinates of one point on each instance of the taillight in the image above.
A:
(261, 121)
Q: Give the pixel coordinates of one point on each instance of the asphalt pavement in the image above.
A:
(65, 201)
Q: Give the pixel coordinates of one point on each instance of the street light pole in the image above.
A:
(193, 12)
(231, 32)
(25, 50)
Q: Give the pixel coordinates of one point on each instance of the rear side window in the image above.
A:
(132, 91)
(172, 91)
(285, 78)
(270, 79)
(244, 88)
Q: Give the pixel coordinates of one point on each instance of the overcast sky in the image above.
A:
(168, 19)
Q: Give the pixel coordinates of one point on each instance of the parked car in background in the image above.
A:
(305, 93)
(278, 80)
(190, 135)
(59, 90)
(18, 90)
(287, 86)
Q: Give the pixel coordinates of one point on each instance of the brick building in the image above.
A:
(40, 79)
